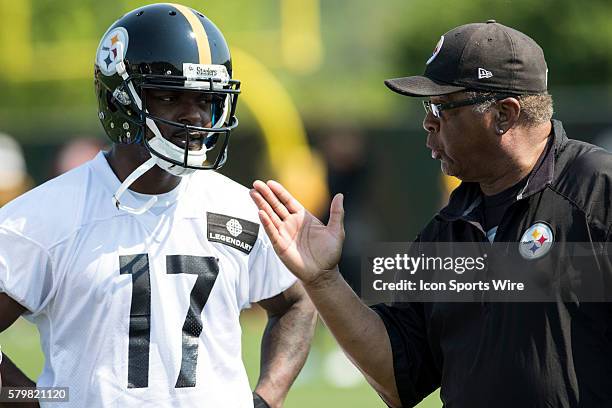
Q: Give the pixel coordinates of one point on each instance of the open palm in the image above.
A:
(305, 245)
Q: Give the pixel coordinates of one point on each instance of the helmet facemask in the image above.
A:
(182, 157)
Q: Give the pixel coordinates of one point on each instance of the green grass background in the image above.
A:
(327, 380)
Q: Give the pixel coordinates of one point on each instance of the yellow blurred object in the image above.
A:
(14, 178)
(296, 166)
(303, 173)
(301, 35)
(10, 193)
(15, 37)
(19, 52)
(449, 183)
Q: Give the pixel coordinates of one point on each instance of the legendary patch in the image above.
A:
(231, 231)
(536, 241)
(111, 50)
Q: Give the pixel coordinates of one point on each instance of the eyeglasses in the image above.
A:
(436, 108)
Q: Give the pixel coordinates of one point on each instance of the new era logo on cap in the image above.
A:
(483, 73)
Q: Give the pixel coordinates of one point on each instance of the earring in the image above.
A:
(500, 131)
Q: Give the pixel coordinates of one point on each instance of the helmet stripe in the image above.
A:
(199, 31)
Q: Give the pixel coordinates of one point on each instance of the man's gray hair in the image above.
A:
(535, 109)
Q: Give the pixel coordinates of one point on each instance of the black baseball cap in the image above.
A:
(479, 56)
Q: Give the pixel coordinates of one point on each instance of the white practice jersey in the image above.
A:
(139, 310)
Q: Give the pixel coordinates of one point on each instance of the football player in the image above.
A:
(136, 265)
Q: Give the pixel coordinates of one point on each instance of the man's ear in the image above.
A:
(508, 111)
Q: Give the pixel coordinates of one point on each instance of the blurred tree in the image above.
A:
(576, 36)
(48, 49)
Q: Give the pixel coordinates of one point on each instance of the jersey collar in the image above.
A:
(181, 194)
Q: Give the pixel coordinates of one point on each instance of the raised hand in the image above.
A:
(305, 245)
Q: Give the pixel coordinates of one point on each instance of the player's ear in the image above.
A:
(507, 114)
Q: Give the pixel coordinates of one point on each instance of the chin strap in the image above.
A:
(166, 147)
(142, 169)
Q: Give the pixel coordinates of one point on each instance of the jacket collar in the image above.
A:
(467, 197)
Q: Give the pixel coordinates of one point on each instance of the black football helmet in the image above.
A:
(166, 47)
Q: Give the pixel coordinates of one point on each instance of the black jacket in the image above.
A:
(483, 354)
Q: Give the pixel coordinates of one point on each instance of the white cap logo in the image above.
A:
(483, 73)
(113, 43)
(536, 241)
(234, 227)
(436, 50)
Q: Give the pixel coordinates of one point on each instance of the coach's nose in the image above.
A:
(431, 124)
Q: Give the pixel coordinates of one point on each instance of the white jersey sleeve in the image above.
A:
(26, 272)
(268, 276)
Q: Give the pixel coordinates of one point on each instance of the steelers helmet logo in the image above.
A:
(436, 50)
(111, 50)
(234, 227)
(536, 241)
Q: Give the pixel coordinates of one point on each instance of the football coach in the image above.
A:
(488, 122)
